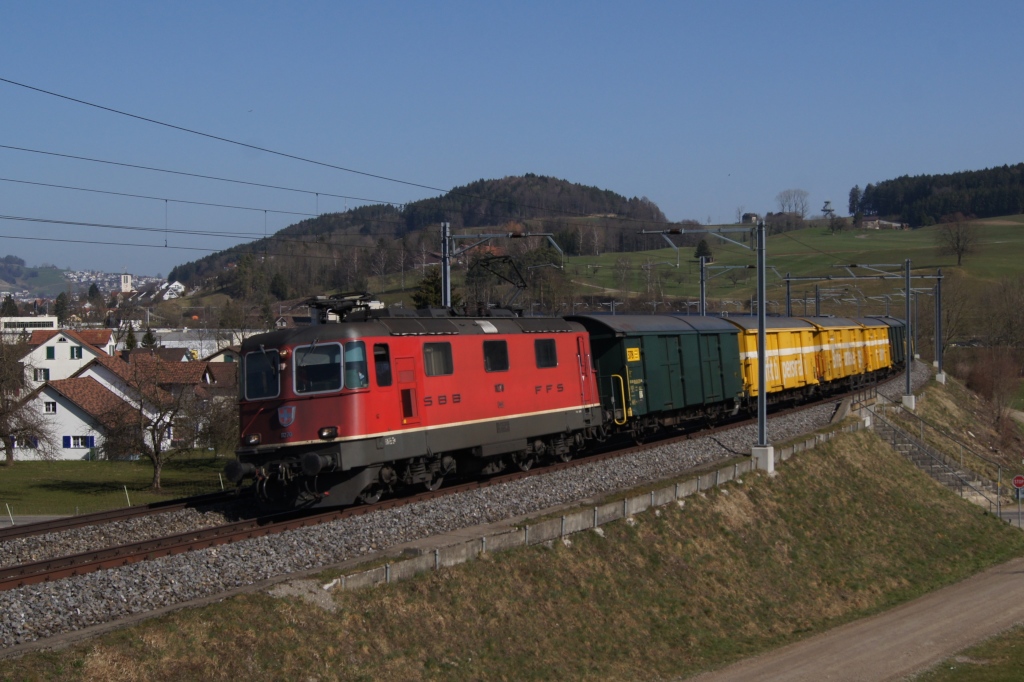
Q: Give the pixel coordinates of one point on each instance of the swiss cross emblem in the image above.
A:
(286, 415)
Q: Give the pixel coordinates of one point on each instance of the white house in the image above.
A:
(78, 413)
(59, 353)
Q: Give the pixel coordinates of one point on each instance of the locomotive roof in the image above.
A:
(643, 324)
(412, 326)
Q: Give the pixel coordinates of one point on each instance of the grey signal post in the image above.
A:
(909, 399)
(762, 453)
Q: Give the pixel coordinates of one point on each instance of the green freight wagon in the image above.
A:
(662, 370)
(897, 337)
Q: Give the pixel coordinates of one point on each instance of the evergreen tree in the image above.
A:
(703, 250)
(129, 341)
(60, 308)
(149, 339)
(9, 307)
(854, 205)
(428, 292)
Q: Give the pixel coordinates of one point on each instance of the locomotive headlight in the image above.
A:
(328, 432)
(252, 439)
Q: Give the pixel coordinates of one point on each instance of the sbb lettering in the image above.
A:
(428, 401)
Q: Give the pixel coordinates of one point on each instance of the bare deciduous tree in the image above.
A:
(793, 201)
(162, 417)
(957, 236)
(20, 421)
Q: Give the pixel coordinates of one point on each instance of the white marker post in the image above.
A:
(1018, 483)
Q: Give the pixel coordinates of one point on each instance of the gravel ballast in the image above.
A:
(38, 611)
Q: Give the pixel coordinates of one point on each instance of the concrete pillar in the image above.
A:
(764, 458)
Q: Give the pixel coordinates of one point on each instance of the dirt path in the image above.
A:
(897, 643)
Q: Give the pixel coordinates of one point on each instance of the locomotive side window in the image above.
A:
(547, 355)
(437, 359)
(318, 368)
(355, 365)
(495, 356)
(382, 364)
(262, 375)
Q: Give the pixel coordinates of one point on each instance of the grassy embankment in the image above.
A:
(65, 487)
(843, 531)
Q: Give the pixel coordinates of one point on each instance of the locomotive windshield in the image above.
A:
(262, 374)
(355, 365)
(318, 368)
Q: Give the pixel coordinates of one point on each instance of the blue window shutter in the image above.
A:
(92, 442)
(67, 441)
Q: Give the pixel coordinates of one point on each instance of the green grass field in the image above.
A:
(64, 488)
(812, 251)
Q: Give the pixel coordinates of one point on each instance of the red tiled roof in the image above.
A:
(94, 399)
(96, 338)
(224, 373)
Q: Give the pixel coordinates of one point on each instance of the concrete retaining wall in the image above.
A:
(575, 522)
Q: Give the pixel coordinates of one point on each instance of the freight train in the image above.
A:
(367, 401)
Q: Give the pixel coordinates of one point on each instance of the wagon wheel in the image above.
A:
(523, 460)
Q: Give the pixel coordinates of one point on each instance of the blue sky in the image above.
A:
(701, 106)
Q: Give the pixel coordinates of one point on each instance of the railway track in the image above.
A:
(113, 557)
(122, 514)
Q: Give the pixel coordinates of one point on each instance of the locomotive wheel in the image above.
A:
(371, 494)
(523, 460)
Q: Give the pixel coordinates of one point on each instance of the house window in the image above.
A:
(76, 352)
(495, 356)
(547, 356)
(437, 359)
(79, 442)
(41, 374)
(28, 442)
(51, 352)
(50, 408)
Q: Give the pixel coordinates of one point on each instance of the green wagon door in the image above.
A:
(634, 378)
(664, 375)
(711, 367)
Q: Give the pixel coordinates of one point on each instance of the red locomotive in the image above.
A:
(334, 414)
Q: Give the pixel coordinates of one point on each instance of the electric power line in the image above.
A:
(296, 157)
(143, 196)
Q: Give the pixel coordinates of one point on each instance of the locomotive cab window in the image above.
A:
(382, 364)
(355, 365)
(547, 355)
(495, 356)
(437, 359)
(318, 368)
(262, 375)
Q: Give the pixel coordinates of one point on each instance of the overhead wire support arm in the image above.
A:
(448, 239)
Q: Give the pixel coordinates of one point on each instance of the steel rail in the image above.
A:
(95, 518)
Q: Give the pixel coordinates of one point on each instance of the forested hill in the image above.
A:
(925, 199)
(492, 202)
(551, 202)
